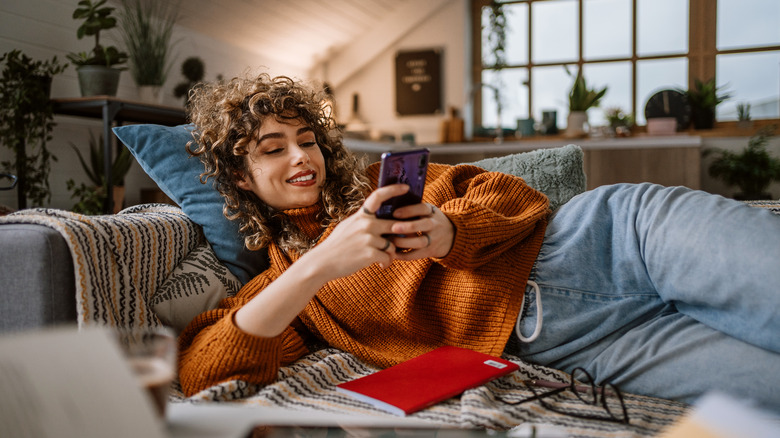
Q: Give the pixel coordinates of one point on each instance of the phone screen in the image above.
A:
(405, 167)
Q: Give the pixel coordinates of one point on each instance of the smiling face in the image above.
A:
(286, 165)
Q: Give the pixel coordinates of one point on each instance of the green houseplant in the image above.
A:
(581, 98)
(743, 116)
(90, 197)
(26, 122)
(752, 169)
(704, 97)
(193, 71)
(99, 69)
(147, 29)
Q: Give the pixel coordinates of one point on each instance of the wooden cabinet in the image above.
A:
(669, 166)
(667, 160)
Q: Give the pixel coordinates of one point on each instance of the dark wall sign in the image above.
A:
(418, 82)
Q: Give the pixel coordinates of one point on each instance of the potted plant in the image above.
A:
(752, 169)
(91, 197)
(581, 98)
(26, 122)
(193, 70)
(743, 116)
(620, 123)
(147, 28)
(99, 69)
(704, 97)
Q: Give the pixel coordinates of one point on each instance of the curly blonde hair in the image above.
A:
(228, 115)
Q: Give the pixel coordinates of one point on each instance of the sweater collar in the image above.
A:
(307, 220)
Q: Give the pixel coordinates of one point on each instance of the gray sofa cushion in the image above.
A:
(38, 287)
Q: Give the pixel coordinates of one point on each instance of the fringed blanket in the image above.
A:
(310, 384)
(120, 262)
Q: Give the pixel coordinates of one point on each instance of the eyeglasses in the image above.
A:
(607, 395)
(7, 185)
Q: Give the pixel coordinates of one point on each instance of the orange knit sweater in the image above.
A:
(470, 298)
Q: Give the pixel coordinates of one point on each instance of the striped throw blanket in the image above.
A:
(120, 260)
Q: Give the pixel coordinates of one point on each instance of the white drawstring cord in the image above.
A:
(538, 328)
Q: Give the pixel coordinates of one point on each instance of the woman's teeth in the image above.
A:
(302, 178)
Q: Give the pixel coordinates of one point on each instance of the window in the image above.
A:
(633, 47)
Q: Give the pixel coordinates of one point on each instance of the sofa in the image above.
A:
(37, 265)
(160, 264)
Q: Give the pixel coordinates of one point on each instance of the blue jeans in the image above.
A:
(667, 292)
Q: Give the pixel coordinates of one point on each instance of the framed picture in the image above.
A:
(418, 82)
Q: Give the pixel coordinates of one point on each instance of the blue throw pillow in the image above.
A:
(161, 151)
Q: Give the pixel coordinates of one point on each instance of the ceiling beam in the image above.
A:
(342, 64)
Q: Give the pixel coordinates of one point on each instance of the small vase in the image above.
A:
(150, 94)
(575, 124)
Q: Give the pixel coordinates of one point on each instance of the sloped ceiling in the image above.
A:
(298, 33)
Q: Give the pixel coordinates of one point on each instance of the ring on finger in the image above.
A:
(433, 209)
(387, 245)
(367, 211)
(429, 240)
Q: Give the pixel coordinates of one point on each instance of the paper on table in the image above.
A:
(69, 383)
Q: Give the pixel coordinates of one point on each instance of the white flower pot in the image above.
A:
(576, 124)
(150, 94)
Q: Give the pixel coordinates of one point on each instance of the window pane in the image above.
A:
(550, 87)
(662, 27)
(616, 76)
(513, 93)
(750, 78)
(656, 75)
(555, 30)
(517, 33)
(745, 23)
(607, 29)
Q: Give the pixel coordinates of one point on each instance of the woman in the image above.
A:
(642, 285)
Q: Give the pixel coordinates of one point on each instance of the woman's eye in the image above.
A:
(274, 151)
(308, 144)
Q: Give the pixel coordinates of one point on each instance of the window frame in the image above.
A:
(702, 52)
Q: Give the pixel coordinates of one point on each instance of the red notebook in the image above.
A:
(427, 379)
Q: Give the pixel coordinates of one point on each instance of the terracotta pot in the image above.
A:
(119, 198)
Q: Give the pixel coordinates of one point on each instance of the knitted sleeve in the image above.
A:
(212, 349)
(491, 211)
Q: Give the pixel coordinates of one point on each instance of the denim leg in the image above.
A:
(621, 263)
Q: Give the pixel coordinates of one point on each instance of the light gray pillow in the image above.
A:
(195, 286)
(556, 172)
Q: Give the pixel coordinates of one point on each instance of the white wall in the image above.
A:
(446, 28)
(44, 28)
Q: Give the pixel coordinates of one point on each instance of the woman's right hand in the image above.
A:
(354, 244)
(358, 241)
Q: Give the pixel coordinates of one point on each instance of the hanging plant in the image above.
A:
(496, 35)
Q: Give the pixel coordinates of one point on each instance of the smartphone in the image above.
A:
(403, 167)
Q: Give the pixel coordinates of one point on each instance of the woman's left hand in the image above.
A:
(430, 235)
